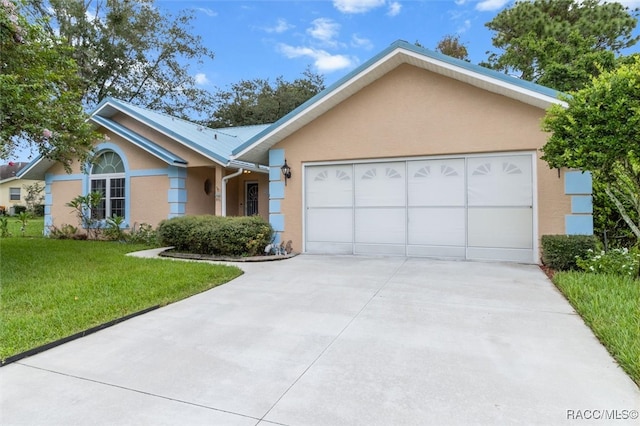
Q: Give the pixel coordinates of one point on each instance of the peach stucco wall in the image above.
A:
(414, 112)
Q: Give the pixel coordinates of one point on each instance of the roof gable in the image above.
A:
(256, 149)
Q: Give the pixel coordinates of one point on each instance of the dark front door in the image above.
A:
(251, 202)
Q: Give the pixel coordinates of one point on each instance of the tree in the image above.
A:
(450, 45)
(599, 131)
(132, 51)
(40, 96)
(260, 102)
(34, 197)
(560, 43)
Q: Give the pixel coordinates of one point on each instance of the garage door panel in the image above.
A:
(329, 186)
(380, 184)
(500, 227)
(445, 252)
(436, 182)
(330, 225)
(380, 225)
(500, 181)
(437, 226)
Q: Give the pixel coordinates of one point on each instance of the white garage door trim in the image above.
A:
(463, 209)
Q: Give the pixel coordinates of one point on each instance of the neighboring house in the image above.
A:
(413, 153)
(12, 191)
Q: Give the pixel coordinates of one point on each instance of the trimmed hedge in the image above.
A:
(560, 251)
(216, 235)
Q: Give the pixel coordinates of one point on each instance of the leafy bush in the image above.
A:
(216, 235)
(65, 232)
(615, 261)
(560, 251)
(143, 234)
(38, 210)
(19, 209)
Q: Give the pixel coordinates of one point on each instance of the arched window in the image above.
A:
(107, 178)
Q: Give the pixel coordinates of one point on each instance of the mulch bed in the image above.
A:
(195, 256)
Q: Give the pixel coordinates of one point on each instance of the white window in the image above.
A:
(14, 194)
(107, 178)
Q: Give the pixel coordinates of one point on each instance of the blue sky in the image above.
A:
(268, 38)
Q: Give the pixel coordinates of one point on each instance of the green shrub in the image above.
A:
(615, 261)
(143, 234)
(216, 235)
(19, 209)
(560, 251)
(38, 210)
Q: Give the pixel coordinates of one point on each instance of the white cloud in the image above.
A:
(208, 12)
(359, 42)
(201, 79)
(489, 5)
(323, 60)
(281, 26)
(325, 30)
(464, 27)
(357, 6)
(394, 8)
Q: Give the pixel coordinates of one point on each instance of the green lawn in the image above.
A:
(610, 305)
(34, 228)
(51, 289)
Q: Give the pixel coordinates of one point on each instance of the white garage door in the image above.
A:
(475, 207)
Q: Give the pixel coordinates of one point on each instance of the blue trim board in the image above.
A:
(577, 182)
(177, 172)
(581, 204)
(276, 190)
(274, 173)
(274, 206)
(276, 157)
(177, 196)
(277, 222)
(578, 224)
(176, 209)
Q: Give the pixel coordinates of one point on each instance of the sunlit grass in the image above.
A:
(50, 289)
(610, 305)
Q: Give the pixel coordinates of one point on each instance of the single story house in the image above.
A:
(413, 153)
(12, 188)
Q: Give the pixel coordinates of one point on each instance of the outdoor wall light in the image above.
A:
(286, 171)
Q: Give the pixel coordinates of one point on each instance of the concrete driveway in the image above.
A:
(318, 340)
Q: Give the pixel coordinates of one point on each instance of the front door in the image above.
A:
(251, 199)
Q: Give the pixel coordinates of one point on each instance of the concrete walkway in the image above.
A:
(321, 340)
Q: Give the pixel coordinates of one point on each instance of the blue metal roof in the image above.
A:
(139, 141)
(216, 144)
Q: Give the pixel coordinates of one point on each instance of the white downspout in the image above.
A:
(224, 189)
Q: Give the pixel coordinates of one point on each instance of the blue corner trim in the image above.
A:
(176, 209)
(578, 224)
(581, 204)
(177, 196)
(277, 222)
(276, 190)
(577, 182)
(276, 158)
(274, 206)
(275, 173)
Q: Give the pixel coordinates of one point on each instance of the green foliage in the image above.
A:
(560, 43)
(52, 289)
(40, 96)
(38, 210)
(560, 251)
(258, 101)
(131, 50)
(615, 261)
(65, 232)
(609, 305)
(450, 45)
(143, 234)
(17, 209)
(599, 131)
(23, 219)
(34, 196)
(113, 230)
(215, 235)
(4, 227)
(84, 206)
